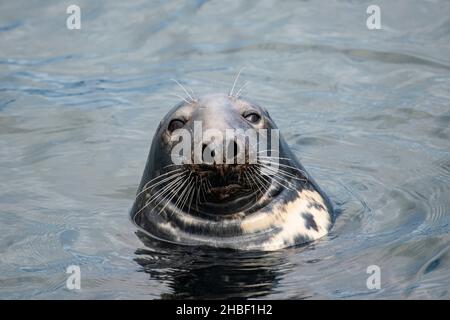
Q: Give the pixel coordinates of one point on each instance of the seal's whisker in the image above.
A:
(282, 172)
(174, 173)
(284, 175)
(180, 97)
(189, 196)
(203, 187)
(156, 183)
(249, 175)
(230, 94)
(193, 93)
(187, 193)
(192, 196)
(161, 192)
(258, 178)
(162, 175)
(284, 168)
(195, 191)
(251, 186)
(209, 185)
(181, 198)
(273, 157)
(241, 90)
(185, 203)
(277, 163)
(174, 192)
(261, 183)
(247, 180)
(273, 179)
(184, 89)
(173, 165)
(197, 198)
(147, 203)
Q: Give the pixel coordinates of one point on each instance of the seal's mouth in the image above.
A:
(210, 190)
(224, 189)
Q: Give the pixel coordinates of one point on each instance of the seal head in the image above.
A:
(247, 192)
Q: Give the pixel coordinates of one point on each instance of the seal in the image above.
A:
(266, 204)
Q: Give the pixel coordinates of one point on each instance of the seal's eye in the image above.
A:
(252, 117)
(175, 124)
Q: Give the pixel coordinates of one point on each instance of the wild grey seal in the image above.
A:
(264, 205)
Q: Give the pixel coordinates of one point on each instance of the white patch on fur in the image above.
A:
(289, 218)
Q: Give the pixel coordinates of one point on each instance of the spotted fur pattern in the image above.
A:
(289, 220)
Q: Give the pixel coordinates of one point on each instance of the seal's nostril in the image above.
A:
(210, 153)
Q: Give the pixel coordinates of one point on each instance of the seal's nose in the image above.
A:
(206, 147)
(230, 154)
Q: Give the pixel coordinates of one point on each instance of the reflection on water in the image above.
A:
(366, 111)
(193, 272)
